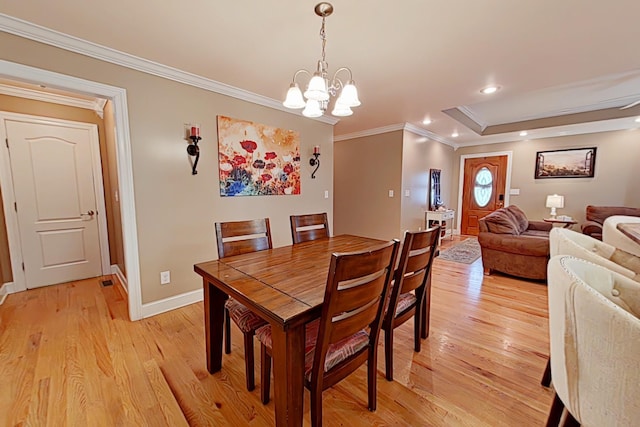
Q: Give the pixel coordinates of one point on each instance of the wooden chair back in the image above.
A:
(414, 266)
(309, 227)
(357, 286)
(241, 237)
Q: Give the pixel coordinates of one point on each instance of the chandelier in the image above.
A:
(320, 89)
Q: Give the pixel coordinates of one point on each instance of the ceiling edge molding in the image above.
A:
(36, 95)
(60, 40)
(435, 137)
(391, 128)
(369, 132)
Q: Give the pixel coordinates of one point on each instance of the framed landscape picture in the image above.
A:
(569, 163)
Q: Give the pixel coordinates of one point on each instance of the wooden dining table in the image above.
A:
(285, 286)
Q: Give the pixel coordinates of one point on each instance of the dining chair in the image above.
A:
(594, 328)
(411, 288)
(309, 227)
(236, 238)
(346, 335)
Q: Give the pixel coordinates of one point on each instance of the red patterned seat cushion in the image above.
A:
(246, 320)
(405, 301)
(336, 353)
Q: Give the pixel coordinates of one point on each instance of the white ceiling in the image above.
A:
(410, 60)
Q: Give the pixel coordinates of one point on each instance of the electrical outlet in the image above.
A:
(407, 193)
(390, 193)
(165, 277)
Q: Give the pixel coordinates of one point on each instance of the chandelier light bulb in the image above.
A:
(294, 97)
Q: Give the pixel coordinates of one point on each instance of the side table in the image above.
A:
(441, 217)
(565, 223)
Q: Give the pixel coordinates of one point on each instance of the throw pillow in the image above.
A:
(519, 218)
(500, 222)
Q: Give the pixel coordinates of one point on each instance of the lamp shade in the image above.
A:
(317, 89)
(312, 109)
(341, 110)
(555, 201)
(349, 95)
(294, 97)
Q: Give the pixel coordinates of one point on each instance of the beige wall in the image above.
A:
(44, 109)
(617, 173)
(365, 169)
(176, 210)
(418, 156)
(116, 246)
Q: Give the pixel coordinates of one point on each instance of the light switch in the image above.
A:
(390, 193)
(326, 194)
(514, 191)
(407, 193)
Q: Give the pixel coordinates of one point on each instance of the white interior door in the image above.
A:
(53, 181)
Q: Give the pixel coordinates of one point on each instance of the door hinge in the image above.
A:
(6, 141)
(15, 206)
(23, 266)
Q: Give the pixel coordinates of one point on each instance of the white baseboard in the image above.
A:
(115, 270)
(6, 289)
(171, 303)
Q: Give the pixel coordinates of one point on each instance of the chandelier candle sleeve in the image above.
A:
(195, 130)
(316, 149)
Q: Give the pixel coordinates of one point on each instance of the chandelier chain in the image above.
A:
(323, 36)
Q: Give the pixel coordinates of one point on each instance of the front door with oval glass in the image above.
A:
(483, 190)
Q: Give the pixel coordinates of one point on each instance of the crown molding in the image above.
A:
(391, 128)
(60, 40)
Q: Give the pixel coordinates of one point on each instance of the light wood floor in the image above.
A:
(70, 357)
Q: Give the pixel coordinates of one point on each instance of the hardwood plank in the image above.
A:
(167, 404)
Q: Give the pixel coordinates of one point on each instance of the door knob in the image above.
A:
(90, 213)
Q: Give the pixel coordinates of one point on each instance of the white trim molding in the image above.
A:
(115, 270)
(392, 128)
(172, 303)
(60, 40)
(94, 104)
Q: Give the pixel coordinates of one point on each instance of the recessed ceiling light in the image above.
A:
(489, 90)
(637, 120)
(524, 133)
(426, 121)
(454, 134)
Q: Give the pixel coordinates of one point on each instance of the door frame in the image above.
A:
(8, 194)
(118, 97)
(507, 183)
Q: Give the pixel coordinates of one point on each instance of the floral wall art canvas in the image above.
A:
(256, 159)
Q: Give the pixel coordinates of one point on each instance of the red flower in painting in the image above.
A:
(266, 177)
(271, 165)
(270, 155)
(248, 145)
(288, 168)
(239, 160)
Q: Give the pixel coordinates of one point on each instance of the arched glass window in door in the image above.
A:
(483, 187)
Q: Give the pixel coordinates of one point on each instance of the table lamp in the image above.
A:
(554, 201)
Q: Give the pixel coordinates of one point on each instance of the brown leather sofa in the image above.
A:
(512, 244)
(597, 214)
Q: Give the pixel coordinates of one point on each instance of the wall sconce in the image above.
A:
(315, 161)
(554, 201)
(192, 148)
